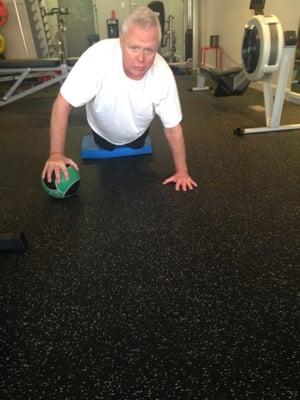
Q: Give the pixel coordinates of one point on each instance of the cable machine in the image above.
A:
(168, 39)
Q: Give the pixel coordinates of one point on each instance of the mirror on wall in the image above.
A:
(295, 87)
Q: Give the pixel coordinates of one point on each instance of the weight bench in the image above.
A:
(230, 82)
(49, 70)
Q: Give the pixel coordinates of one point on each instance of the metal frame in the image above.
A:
(191, 19)
(57, 74)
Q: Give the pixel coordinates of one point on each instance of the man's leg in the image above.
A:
(136, 144)
(139, 142)
(104, 144)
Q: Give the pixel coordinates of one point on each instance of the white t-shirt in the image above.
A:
(118, 108)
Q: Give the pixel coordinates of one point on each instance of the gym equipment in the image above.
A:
(60, 36)
(230, 82)
(65, 188)
(112, 26)
(159, 8)
(43, 72)
(214, 45)
(266, 50)
(168, 39)
(189, 34)
(188, 43)
(258, 6)
(13, 241)
(90, 150)
(3, 13)
(39, 24)
(192, 30)
(262, 47)
(19, 70)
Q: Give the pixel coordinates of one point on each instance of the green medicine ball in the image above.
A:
(65, 188)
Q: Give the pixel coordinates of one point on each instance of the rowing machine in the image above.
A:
(267, 50)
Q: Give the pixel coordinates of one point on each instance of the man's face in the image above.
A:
(139, 46)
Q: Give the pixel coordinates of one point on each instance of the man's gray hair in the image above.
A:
(144, 17)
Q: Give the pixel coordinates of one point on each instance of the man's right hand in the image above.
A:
(57, 163)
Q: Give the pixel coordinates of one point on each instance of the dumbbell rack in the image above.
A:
(39, 24)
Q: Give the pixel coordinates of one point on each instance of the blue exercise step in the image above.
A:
(89, 149)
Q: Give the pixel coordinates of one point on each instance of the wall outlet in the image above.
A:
(122, 4)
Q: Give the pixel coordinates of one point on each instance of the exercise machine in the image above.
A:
(20, 70)
(43, 72)
(60, 36)
(112, 25)
(230, 82)
(168, 38)
(266, 51)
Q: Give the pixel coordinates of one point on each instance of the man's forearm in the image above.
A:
(59, 125)
(176, 142)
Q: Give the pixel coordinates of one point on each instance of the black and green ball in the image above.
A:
(65, 188)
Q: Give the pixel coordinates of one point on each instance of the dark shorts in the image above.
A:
(136, 144)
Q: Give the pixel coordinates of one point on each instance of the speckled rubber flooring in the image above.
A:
(131, 290)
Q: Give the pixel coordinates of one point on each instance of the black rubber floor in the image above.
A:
(131, 290)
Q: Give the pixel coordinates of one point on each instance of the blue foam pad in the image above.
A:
(89, 149)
